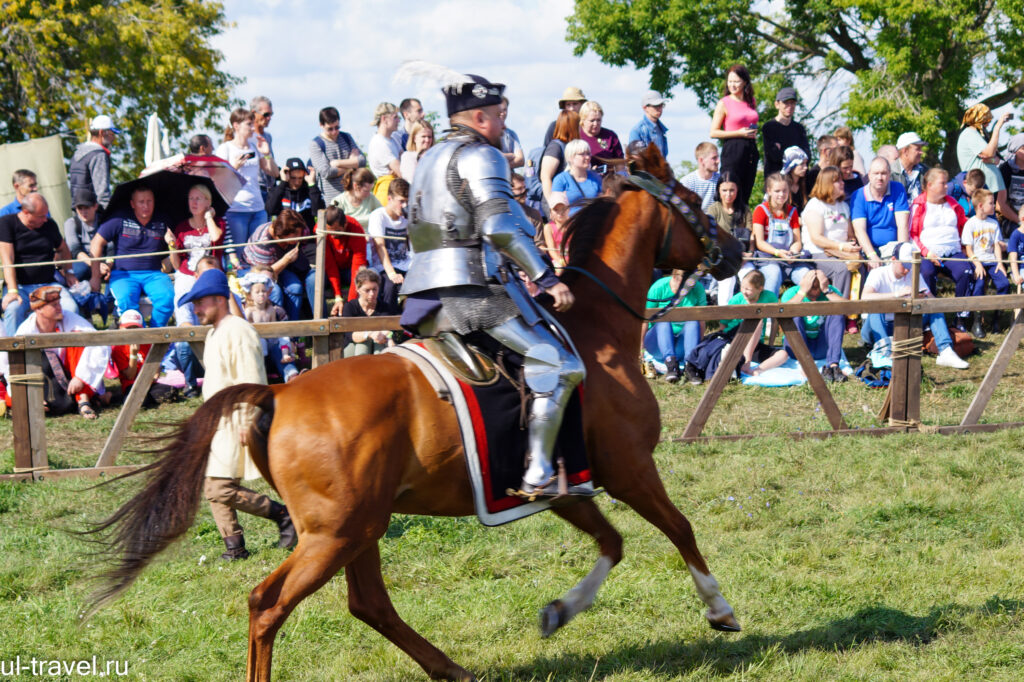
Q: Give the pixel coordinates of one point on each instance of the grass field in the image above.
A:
(858, 558)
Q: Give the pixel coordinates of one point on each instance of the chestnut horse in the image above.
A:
(353, 442)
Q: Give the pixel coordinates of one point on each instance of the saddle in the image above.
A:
(486, 391)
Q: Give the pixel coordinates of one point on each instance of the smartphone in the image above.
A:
(248, 155)
(601, 170)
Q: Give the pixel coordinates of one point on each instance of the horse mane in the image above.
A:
(586, 230)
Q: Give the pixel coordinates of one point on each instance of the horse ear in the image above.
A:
(656, 164)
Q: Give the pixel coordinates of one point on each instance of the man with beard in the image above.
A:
(232, 355)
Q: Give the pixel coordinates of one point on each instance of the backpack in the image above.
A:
(534, 188)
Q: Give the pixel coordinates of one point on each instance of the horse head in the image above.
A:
(702, 240)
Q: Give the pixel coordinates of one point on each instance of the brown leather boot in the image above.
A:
(279, 514)
(236, 548)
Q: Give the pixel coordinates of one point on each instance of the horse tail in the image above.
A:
(166, 506)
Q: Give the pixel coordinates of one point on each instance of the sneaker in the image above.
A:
(827, 374)
(671, 370)
(691, 375)
(949, 358)
(191, 392)
(961, 323)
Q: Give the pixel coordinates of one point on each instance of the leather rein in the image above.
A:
(665, 194)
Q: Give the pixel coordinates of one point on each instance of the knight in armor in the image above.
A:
(470, 241)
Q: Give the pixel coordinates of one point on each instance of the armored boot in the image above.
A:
(541, 479)
(551, 372)
(236, 548)
(279, 515)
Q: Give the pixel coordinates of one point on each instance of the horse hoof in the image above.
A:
(552, 617)
(728, 623)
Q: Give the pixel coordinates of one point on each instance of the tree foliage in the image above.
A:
(65, 61)
(898, 65)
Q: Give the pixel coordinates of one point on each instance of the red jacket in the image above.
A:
(917, 211)
(345, 252)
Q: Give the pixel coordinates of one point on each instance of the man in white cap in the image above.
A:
(910, 171)
(650, 128)
(90, 164)
(894, 281)
(1012, 170)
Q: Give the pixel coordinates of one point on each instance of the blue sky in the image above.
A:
(307, 55)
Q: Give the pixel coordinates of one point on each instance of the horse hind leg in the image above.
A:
(649, 499)
(588, 518)
(315, 561)
(368, 601)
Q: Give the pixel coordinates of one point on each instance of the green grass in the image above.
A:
(859, 558)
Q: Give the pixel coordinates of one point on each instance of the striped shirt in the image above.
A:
(705, 189)
(322, 152)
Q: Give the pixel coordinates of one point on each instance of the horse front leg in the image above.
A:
(645, 493)
(315, 561)
(588, 518)
(368, 601)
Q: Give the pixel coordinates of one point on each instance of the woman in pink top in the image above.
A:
(735, 122)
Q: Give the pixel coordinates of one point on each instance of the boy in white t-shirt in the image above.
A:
(893, 281)
(981, 244)
(390, 257)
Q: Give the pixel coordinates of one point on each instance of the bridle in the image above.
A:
(665, 194)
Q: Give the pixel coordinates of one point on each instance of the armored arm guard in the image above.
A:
(503, 224)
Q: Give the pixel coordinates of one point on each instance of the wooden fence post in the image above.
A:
(17, 382)
(133, 401)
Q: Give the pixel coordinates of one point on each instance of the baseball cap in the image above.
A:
(295, 164)
(652, 98)
(905, 252)
(785, 94)
(571, 94)
(84, 197)
(130, 318)
(907, 139)
(558, 199)
(103, 122)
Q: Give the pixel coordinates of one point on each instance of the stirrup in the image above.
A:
(555, 488)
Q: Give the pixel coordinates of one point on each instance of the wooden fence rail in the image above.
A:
(903, 413)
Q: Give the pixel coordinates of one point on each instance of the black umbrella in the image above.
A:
(170, 190)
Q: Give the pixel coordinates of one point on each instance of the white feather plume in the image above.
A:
(419, 70)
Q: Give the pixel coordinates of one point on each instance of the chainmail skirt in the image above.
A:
(471, 309)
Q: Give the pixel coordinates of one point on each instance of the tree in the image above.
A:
(897, 65)
(65, 61)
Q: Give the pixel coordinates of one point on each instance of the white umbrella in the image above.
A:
(157, 146)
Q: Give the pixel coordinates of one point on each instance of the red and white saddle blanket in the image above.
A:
(494, 439)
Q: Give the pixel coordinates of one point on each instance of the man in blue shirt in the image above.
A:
(24, 182)
(136, 234)
(650, 128)
(880, 213)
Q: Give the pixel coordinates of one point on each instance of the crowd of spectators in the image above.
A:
(825, 225)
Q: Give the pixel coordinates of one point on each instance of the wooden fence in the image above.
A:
(901, 414)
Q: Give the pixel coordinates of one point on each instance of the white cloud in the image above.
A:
(308, 55)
